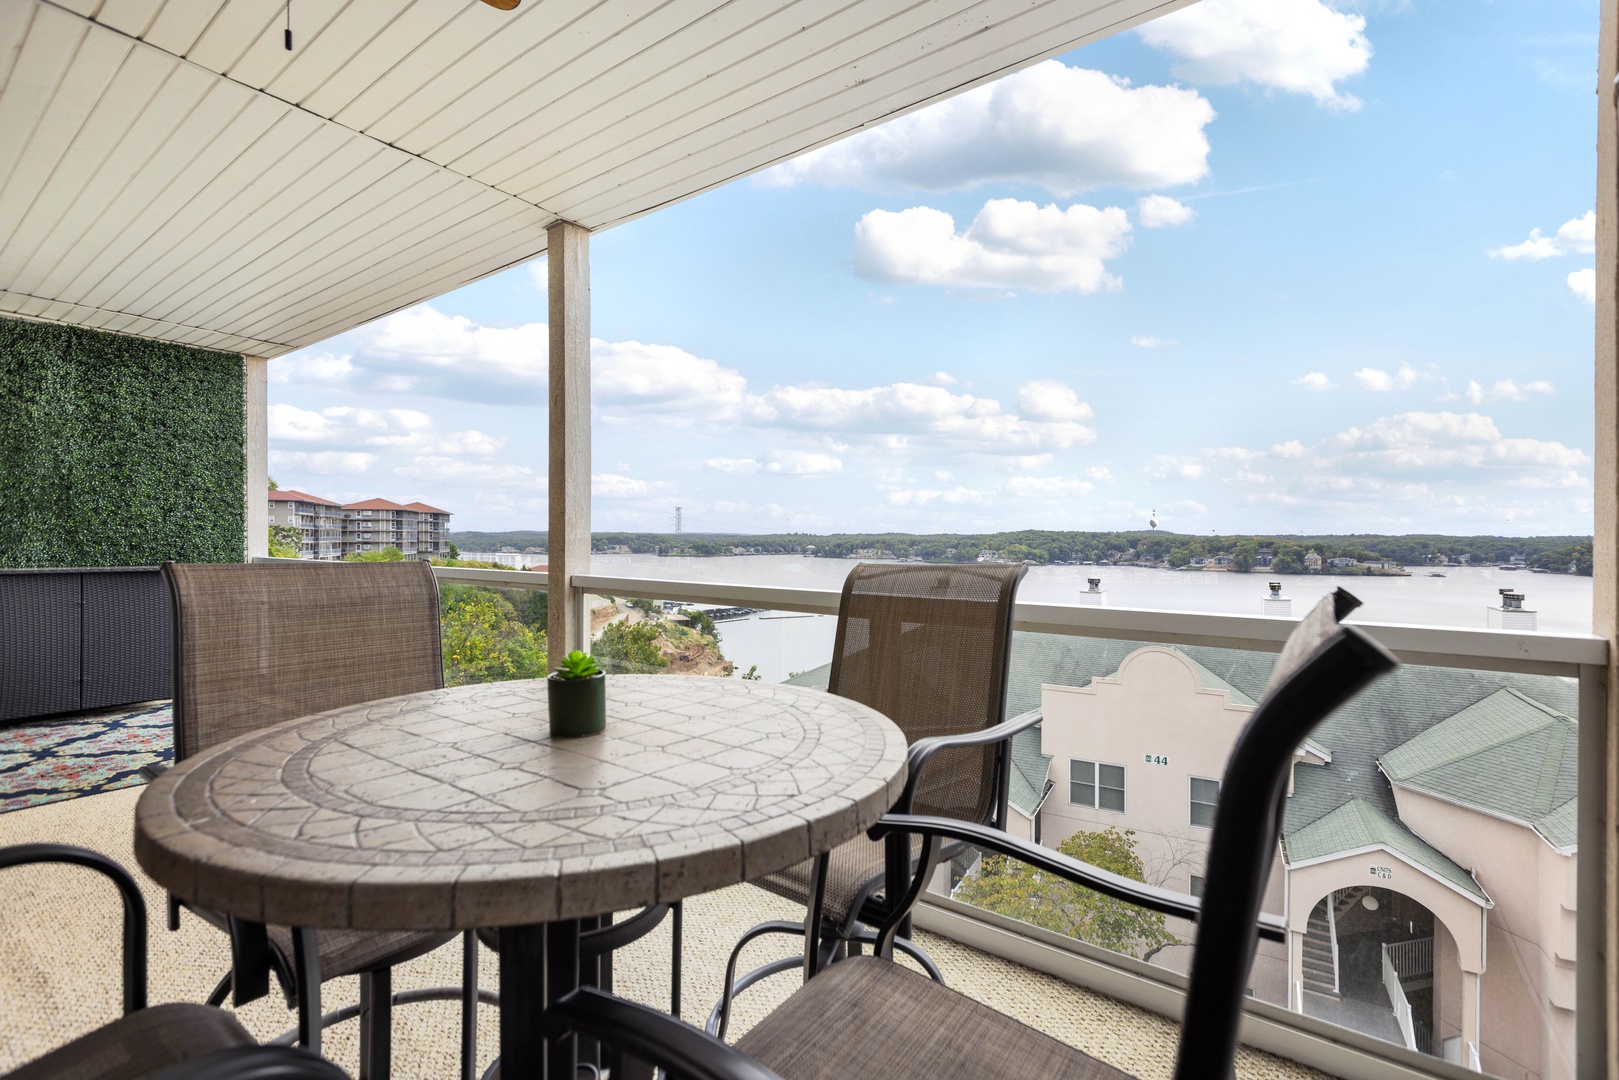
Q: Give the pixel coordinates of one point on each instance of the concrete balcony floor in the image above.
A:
(59, 973)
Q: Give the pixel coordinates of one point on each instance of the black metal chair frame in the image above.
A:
(239, 1063)
(1229, 920)
(867, 911)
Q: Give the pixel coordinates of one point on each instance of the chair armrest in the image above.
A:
(1166, 901)
(652, 1036)
(254, 1063)
(922, 750)
(129, 892)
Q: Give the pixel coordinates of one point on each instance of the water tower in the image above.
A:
(1276, 603)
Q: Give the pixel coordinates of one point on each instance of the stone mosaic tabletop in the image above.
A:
(455, 809)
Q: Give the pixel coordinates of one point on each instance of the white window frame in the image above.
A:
(1193, 802)
(1097, 786)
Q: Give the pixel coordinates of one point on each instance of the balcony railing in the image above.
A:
(1267, 1025)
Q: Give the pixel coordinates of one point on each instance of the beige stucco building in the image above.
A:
(1426, 870)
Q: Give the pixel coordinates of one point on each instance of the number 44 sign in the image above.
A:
(1155, 759)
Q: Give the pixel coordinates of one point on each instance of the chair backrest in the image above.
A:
(928, 647)
(1322, 665)
(258, 644)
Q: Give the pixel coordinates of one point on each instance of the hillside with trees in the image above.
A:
(1280, 553)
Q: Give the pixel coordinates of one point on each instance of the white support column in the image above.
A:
(256, 448)
(568, 267)
(1597, 976)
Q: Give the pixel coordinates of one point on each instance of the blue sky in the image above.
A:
(1260, 266)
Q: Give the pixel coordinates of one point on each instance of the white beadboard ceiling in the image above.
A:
(167, 169)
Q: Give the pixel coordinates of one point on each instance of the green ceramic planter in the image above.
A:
(577, 706)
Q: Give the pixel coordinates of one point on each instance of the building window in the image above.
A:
(1196, 887)
(1096, 785)
(1205, 794)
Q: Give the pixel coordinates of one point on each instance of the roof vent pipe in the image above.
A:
(1094, 596)
(1276, 603)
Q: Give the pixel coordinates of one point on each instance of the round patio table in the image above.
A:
(455, 809)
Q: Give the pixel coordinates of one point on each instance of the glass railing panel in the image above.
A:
(1554, 599)
(653, 635)
(491, 634)
(1427, 869)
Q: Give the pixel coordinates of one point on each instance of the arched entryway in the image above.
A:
(1362, 947)
(1368, 964)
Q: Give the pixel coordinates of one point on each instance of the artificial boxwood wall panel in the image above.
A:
(117, 450)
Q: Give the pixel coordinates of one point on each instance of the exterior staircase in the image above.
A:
(1320, 974)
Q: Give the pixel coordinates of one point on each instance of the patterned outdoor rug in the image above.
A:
(81, 755)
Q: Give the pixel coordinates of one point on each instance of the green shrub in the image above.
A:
(387, 554)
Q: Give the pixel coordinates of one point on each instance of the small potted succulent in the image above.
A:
(576, 694)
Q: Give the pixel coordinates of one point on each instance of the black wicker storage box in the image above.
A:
(82, 639)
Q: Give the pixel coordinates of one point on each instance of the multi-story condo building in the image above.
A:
(331, 530)
(319, 522)
(416, 529)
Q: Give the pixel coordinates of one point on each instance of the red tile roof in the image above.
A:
(291, 495)
(424, 508)
(375, 504)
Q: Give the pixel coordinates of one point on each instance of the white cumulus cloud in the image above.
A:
(1576, 236)
(1064, 129)
(1583, 284)
(322, 462)
(1382, 381)
(1315, 380)
(1048, 399)
(1298, 46)
(1011, 244)
(803, 463)
(1151, 341)
(1048, 487)
(1156, 211)
(1502, 390)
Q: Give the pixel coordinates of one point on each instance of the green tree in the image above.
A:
(455, 552)
(387, 554)
(484, 640)
(702, 623)
(1245, 554)
(285, 542)
(1019, 891)
(626, 648)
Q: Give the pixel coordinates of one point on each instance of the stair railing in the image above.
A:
(1397, 999)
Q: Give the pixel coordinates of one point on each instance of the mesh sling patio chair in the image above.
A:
(869, 1016)
(928, 647)
(157, 1042)
(255, 645)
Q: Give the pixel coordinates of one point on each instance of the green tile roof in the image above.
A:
(1359, 824)
(1388, 714)
(1030, 769)
(1508, 755)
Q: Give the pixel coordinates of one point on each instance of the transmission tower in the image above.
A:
(679, 522)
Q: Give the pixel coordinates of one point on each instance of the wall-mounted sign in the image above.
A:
(1383, 873)
(1155, 759)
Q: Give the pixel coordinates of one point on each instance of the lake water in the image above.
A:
(781, 643)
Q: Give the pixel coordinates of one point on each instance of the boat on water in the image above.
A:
(1436, 574)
